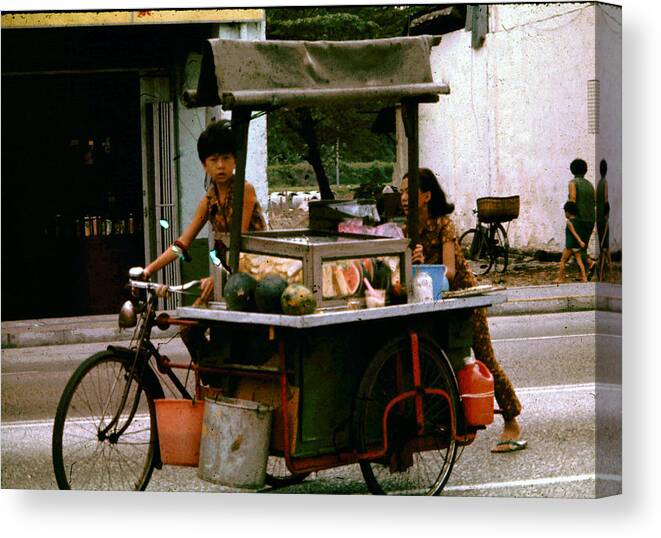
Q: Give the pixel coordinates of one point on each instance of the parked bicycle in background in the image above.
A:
(486, 246)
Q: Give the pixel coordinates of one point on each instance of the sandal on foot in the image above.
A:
(509, 445)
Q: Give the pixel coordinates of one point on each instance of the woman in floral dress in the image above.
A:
(439, 244)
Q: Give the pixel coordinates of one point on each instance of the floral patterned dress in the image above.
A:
(436, 232)
(220, 212)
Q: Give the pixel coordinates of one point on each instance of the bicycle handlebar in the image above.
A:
(154, 286)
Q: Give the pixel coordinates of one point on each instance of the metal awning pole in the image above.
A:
(240, 126)
(410, 117)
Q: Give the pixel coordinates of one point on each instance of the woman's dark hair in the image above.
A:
(571, 208)
(603, 167)
(216, 138)
(438, 203)
(578, 167)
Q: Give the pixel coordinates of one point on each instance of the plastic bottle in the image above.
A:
(423, 287)
(476, 391)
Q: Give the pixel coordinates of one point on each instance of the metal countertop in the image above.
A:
(218, 312)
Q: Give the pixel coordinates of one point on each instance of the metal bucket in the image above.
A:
(234, 448)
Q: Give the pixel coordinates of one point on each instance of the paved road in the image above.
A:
(550, 359)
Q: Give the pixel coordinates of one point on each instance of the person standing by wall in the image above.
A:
(603, 210)
(582, 193)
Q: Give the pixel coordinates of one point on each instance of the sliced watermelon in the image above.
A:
(353, 276)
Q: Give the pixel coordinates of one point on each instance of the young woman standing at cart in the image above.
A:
(216, 149)
(439, 245)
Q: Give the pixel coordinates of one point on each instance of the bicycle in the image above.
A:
(105, 431)
(486, 246)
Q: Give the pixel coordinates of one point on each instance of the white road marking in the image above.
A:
(48, 424)
(4, 374)
(579, 387)
(535, 482)
(527, 338)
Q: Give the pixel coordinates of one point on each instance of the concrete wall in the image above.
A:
(609, 139)
(517, 115)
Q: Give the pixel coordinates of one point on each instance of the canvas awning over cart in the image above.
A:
(244, 76)
(262, 74)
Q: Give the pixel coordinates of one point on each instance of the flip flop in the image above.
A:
(511, 444)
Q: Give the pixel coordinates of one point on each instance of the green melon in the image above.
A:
(268, 293)
(239, 292)
(297, 300)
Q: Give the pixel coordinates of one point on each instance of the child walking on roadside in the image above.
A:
(573, 244)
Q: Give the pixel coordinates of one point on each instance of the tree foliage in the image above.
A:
(312, 134)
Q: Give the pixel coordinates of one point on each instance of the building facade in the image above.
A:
(539, 87)
(99, 163)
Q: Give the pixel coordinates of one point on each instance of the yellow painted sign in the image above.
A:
(147, 16)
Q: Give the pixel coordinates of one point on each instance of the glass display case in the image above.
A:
(332, 265)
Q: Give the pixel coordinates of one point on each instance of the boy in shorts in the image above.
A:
(573, 244)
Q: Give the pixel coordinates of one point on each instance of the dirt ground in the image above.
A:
(523, 268)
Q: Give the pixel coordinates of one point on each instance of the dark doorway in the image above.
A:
(71, 193)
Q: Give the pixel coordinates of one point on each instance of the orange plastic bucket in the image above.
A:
(179, 430)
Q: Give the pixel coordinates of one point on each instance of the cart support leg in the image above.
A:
(417, 382)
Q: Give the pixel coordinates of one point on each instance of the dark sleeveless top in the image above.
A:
(220, 213)
(585, 199)
(601, 200)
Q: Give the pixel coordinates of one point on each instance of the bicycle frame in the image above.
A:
(143, 352)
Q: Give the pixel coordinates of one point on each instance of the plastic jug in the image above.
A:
(423, 288)
(476, 390)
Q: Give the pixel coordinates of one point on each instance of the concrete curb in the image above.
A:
(521, 301)
(560, 298)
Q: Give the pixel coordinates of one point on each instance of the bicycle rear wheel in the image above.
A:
(473, 244)
(87, 454)
(414, 464)
(499, 249)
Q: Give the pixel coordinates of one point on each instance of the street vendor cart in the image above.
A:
(347, 384)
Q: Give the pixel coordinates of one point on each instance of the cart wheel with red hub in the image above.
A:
(418, 401)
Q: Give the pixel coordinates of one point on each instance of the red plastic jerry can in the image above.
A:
(476, 390)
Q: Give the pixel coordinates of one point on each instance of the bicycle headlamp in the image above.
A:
(127, 316)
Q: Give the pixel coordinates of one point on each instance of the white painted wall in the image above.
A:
(609, 139)
(517, 114)
(191, 122)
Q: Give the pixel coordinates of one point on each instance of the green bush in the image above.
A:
(370, 175)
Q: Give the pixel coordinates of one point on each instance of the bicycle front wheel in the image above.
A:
(500, 247)
(473, 244)
(89, 451)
